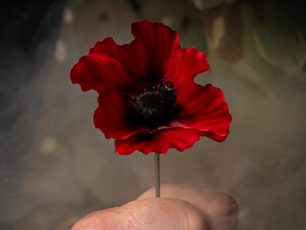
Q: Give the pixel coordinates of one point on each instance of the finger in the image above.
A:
(147, 214)
(221, 209)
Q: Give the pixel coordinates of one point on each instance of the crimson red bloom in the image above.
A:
(148, 100)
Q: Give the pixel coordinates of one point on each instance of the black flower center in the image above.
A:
(154, 107)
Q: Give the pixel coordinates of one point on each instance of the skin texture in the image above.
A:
(182, 207)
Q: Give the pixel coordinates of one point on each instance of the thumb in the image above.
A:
(147, 214)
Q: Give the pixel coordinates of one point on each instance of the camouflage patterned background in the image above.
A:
(55, 167)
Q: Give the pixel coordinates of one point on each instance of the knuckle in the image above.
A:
(224, 205)
(193, 220)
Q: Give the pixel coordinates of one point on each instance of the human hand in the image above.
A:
(181, 207)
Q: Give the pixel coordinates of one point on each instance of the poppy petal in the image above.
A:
(182, 67)
(159, 42)
(158, 142)
(207, 112)
(131, 55)
(97, 71)
(110, 118)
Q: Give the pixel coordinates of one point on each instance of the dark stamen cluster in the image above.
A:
(154, 106)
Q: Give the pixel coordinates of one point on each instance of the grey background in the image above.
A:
(56, 167)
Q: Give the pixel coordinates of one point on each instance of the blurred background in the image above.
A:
(56, 167)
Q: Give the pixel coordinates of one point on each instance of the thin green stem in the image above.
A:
(157, 174)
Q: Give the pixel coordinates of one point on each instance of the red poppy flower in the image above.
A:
(148, 100)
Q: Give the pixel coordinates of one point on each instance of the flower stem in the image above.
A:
(157, 174)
